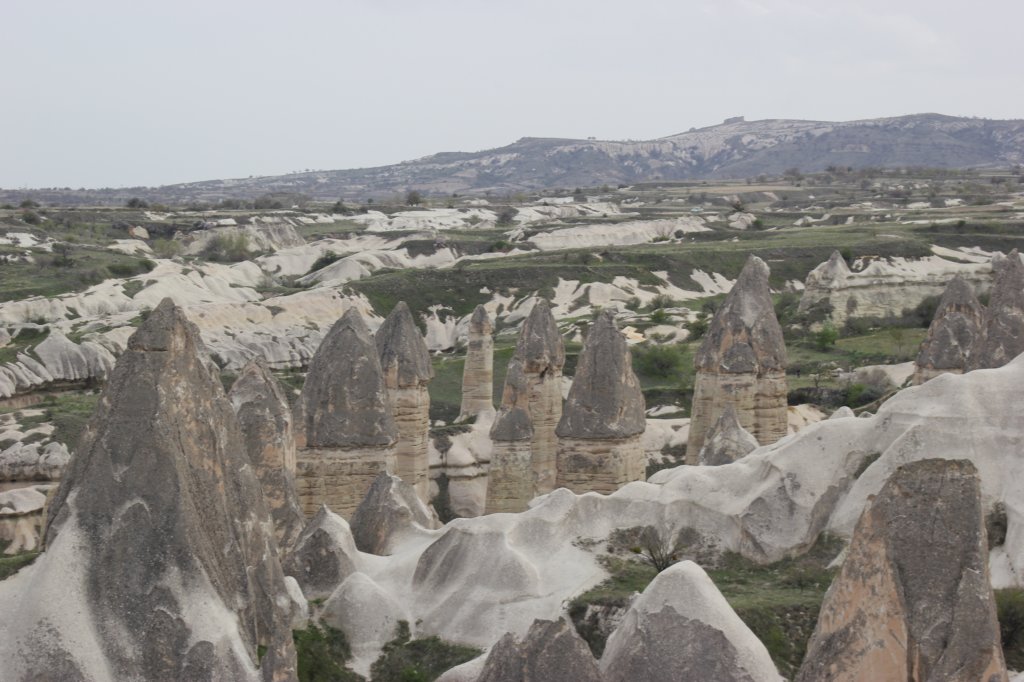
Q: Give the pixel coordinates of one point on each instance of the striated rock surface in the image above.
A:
(913, 599)
(345, 432)
(551, 650)
(727, 441)
(324, 555)
(1002, 337)
(599, 433)
(405, 362)
(957, 324)
(266, 421)
(682, 628)
(742, 361)
(531, 406)
(161, 562)
(478, 372)
(390, 511)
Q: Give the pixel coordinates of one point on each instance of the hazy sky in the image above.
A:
(133, 92)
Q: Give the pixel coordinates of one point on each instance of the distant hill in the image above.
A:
(734, 149)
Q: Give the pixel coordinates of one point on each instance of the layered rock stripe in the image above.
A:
(345, 431)
(742, 361)
(478, 371)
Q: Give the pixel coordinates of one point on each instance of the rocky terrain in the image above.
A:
(459, 443)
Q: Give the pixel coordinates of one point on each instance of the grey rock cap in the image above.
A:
(513, 421)
(540, 344)
(727, 441)
(402, 351)
(1002, 337)
(954, 329)
(605, 400)
(391, 506)
(344, 402)
(551, 650)
(744, 336)
(480, 321)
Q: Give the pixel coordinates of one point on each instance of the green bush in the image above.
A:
(658, 361)
(324, 260)
(321, 654)
(227, 248)
(166, 248)
(826, 338)
(418, 660)
(1010, 609)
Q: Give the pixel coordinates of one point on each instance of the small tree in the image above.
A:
(413, 198)
(826, 337)
(136, 202)
(657, 551)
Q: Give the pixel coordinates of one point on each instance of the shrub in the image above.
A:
(505, 216)
(1010, 610)
(227, 248)
(658, 361)
(321, 655)
(826, 337)
(659, 316)
(415, 660)
(413, 198)
(324, 260)
(136, 202)
(166, 248)
(31, 217)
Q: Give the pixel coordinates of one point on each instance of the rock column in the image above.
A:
(1002, 336)
(599, 432)
(957, 323)
(345, 432)
(531, 405)
(742, 361)
(405, 361)
(478, 372)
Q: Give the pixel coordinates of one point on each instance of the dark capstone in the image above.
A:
(391, 505)
(402, 350)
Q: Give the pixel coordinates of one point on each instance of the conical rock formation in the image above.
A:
(345, 431)
(161, 562)
(531, 406)
(913, 599)
(478, 372)
(742, 360)
(390, 511)
(957, 323)
(266, 421)
(324, 556)
(599, 432)
(405, 361)
(727, 441)
(1002, 337)
(551, 650)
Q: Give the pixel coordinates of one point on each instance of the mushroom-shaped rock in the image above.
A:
(478, 372)
(742, 360)
(913, 599)
(344, 427)
(727, 441)
(551, 650)
(266, 421)
(324, 555)
(531, 406)
(161, 562)
(1002, 336)
(405, 361)
(599, 432)
(682, 628)
(390, 511)
(957, 323)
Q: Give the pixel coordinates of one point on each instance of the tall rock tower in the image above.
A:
(1002, 336)
(344, 429)
(599, 432)
(405, 361)
(742, 361)
(478, 372)
(531, 406)
(957, 324)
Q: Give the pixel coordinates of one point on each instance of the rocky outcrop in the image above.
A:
(913, 599)
(324, 555)
(405, 362)
(727, 441)
(599, 433)
(742, 361)
(531, 406)
(345, 432)
(57, 360)
(478, 372)
(390, 512)
(30, 462)
(22, 512)
(551, 650)
(261, 236)
(1002, 336)
(161, 562)
(682, 628)
(266, 421)
(957, 323)
(882, 287)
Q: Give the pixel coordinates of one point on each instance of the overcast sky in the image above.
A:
(132, 92)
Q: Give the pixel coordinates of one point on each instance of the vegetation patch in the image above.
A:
(322, 652)
(418, 660)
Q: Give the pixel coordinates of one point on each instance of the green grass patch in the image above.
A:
(418, 660)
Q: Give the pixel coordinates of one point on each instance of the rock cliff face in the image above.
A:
(478, 372)
(324, 555)
(957, 324)
(913, 599)
(405, 362)
(599, 432)
(1002, 336)
(883, 287)
(161, 562)
(681, 628)
(266, 421)
(742, 361)
(550, 651)
(727, 441)
(531, 406)
(345, 432)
